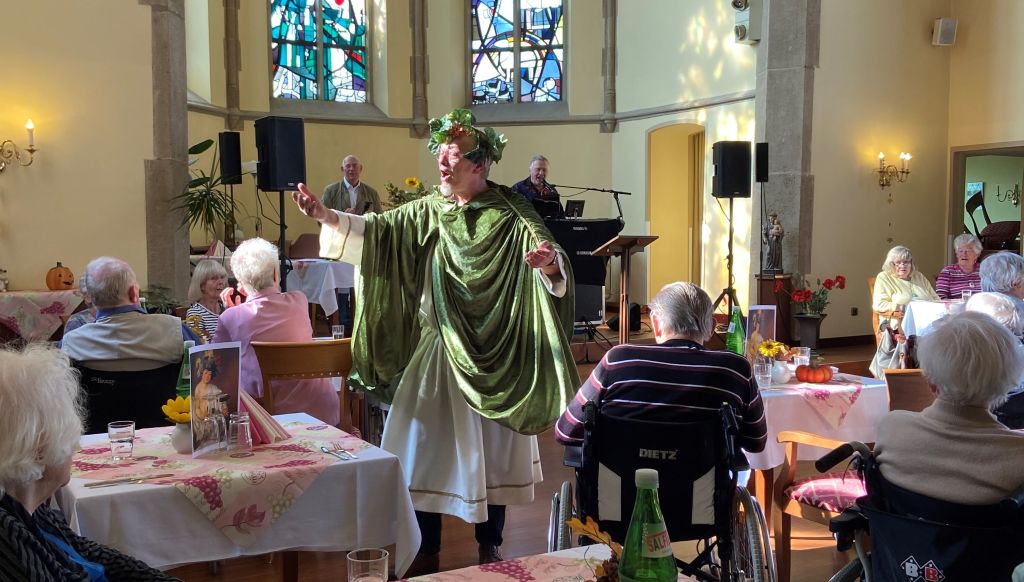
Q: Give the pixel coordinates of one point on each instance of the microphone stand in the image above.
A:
(615, 194)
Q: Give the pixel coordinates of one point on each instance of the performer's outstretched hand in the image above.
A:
(310, 205)
(542, 256)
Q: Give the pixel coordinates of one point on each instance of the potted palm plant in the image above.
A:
(204, 200)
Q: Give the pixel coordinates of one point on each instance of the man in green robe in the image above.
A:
(467, 306)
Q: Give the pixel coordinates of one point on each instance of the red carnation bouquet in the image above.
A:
(814, 302)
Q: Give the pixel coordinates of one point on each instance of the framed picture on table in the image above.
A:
(760, 326)
(214, 383)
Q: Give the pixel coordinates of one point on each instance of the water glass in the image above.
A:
(802, 357)
(368, 565)
(763, 373)
(965, 295)
(122, 439)
(338, 331)
(240, 431)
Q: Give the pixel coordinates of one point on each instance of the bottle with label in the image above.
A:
(734, 338)
(647, 553)
(185, 375)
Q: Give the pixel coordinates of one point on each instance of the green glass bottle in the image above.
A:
(647, 553)
(185, 376)
(734, 338)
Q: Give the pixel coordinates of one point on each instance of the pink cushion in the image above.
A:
(830, 491)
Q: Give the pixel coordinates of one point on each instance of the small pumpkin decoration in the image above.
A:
(814, 373)
(60, 278)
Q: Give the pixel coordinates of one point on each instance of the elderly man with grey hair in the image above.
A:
(676, 380)
(955, 450)
(41, 414)
(1003, 273)
(536, 189)
(124, 336)
(1002, 309)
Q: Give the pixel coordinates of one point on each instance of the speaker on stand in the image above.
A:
(281, 157)
(731, 180)
(230, 174)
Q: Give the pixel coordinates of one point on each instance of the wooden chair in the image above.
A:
(303, 360)
(875, 315)
(908, 389)
(818, 498)
(973, 203)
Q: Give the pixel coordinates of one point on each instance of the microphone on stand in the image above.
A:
(547, 187)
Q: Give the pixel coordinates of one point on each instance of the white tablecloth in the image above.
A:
(785, 409)
(318, 279)
(362, 503)
(921, 315)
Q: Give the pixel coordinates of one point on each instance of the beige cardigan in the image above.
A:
(951, 452)
(892, 292)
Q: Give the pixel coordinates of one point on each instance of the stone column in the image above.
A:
(232, 65)
(608, 62)
(786, 59)
(167, 244)
(418, 67)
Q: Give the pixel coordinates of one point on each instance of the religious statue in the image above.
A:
(771, 236)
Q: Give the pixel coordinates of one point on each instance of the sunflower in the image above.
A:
(412, 182)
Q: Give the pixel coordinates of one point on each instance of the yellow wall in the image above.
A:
(999, 174)
(671, 206)
(89, 91)
(890, 95)
(986, 80)
(197, 47)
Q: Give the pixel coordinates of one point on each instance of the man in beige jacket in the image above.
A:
(350, 194)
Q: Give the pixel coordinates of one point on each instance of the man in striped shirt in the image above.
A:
(676, 380)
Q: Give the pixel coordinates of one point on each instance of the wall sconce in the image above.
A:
(886, 174)
(11, 153)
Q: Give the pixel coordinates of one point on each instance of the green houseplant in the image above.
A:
(204, 200)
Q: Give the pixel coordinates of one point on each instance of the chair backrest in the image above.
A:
(135, 395)
(908, 389)
(307, 246)
(299, 360)
(692, 460)
(973, 203)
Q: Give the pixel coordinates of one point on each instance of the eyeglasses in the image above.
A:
(902, 263)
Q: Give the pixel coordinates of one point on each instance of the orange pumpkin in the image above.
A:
(814, 374)
(60, 278)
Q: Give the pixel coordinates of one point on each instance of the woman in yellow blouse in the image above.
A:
(898, 284)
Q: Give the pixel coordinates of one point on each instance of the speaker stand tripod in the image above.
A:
(591, 335)
(285, 263)
(729, 293)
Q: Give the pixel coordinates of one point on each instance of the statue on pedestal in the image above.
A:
(771, 236)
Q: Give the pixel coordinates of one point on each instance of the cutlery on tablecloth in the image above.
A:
(339, 454)
(126, 480)
(350, 452)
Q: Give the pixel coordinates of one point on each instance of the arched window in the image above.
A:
(517, 51)
(318, 50)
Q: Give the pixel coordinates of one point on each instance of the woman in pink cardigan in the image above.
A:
(272, 316)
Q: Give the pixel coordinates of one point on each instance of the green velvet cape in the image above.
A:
(505, 336)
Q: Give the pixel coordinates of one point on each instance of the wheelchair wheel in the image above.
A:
(752, 555)
(559, 535)
(852, 572)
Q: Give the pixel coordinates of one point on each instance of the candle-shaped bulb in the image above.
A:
(31, 129)
(881, 155)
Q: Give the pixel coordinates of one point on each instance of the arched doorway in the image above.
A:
(675, 183)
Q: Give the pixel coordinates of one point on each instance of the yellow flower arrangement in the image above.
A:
(397, 197)
(179, 410)
(412, 182)
(773, 349)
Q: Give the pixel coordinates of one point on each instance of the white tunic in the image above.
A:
(455, 461)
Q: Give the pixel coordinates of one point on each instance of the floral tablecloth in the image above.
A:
(35, 315)
(832, 400)
(241, 493)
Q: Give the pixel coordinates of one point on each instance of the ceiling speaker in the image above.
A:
(944, 32)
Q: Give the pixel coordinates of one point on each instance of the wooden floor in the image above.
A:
(814, 555)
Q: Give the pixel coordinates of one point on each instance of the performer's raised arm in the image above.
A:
(341, 236)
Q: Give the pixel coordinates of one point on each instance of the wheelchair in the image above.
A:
(915, 538)
(697, 465)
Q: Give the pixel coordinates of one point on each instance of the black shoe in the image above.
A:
(424, 564)
(489, 553)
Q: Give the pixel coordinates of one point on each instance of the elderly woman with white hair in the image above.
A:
(955, 450)
(269, 315)
(898, 284)
(208, 280)
(41, 415)
(962, 275)
(1002, 309)
(1003, 273)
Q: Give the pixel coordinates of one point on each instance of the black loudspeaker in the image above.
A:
(732, 169)
(281, 147)
(634, 319)
(590, 303)
(230, 157)
(761, 162)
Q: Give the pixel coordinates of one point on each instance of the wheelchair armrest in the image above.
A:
(739, 461)
(845, 525)
(573, 456)
(1015, 501)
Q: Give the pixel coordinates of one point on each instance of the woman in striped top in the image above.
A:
(208, 280)
(962, 275)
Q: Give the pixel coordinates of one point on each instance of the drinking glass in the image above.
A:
(122, 439)
(763, 372)
(241, 434)
(368, 565)
(338, 331)
(802, 357)
(966, 294)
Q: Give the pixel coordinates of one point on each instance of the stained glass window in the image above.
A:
(518, 52)
(318, 49)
